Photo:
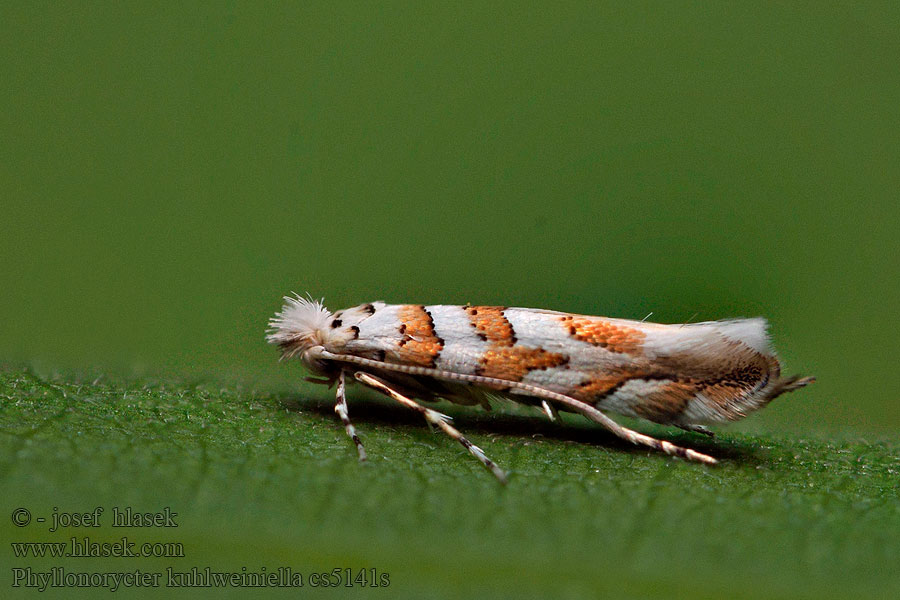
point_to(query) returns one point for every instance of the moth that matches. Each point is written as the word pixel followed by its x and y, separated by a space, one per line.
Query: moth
pixel 686 375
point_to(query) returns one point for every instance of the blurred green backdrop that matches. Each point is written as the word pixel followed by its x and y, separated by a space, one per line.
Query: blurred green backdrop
pixel 167 173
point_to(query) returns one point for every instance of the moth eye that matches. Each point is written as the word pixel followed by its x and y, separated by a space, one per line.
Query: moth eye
pixel 336 323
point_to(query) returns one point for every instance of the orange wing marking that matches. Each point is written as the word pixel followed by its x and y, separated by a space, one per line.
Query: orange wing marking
pixel 419 344
pixel 599 332
pixel 505 359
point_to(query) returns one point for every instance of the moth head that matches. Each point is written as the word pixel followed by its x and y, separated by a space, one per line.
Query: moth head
pixel 304 327
pixel 301 325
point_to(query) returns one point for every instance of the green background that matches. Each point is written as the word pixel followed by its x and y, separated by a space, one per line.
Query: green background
pixel 167 173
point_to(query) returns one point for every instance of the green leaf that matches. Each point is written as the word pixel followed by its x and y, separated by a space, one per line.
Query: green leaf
pixel 269 480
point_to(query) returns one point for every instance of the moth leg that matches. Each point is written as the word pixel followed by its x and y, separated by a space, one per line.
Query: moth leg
pixel 340 407
pixel 528 389
pixel 632 436
pixel 549 410
pixel 433 418
pixel 698 429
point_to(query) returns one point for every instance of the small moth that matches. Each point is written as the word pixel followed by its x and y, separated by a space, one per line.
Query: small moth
pixel 685 375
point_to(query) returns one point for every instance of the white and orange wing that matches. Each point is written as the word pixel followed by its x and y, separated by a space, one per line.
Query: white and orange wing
pixel 674 374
